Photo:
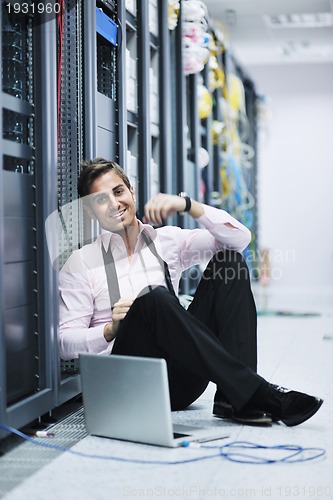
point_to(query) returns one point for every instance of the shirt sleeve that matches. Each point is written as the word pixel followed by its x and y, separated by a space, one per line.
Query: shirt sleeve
pixel 219 231
pixel 236 237
pixel 76 308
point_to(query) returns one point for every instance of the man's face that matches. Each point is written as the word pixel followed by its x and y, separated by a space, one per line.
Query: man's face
pixel 112 203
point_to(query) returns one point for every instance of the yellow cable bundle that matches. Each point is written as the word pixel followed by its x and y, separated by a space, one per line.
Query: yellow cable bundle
pixel 173 13
pixel 217 132
pixel 235 93
pixel 205 102
pixel 216 73
pixel 225 183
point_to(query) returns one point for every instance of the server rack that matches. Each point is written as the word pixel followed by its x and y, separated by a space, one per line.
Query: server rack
pixel 179 112
pixel 144 138
pixel 186 140
pixel 207 143
pixel 217 115
pixel 191 176
pixel 165 117
pixel 105 39
pixel 28 282
pixel 70 141
pixel 122 121
pixel 248 134
pixel 251 99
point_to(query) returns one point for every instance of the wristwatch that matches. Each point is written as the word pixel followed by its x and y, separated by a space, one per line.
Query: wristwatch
pixel 188 202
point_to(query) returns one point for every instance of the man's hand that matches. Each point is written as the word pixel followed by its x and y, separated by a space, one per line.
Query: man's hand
pixel 162 205
pixel 119 312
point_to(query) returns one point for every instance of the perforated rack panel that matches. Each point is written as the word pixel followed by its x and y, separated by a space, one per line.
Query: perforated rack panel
pixel 70 143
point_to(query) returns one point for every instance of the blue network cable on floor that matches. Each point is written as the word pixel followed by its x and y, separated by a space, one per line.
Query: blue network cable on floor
pixel 235 451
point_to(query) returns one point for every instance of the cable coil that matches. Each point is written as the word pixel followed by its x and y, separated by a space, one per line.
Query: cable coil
pixel 234 452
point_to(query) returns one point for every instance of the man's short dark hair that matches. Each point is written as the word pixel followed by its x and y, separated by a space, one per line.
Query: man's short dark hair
pixel 92 169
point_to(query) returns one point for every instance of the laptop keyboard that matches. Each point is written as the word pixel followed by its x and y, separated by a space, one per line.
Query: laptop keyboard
pixel 178 435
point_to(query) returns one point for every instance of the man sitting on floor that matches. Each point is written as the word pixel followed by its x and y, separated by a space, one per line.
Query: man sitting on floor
pixel 118 295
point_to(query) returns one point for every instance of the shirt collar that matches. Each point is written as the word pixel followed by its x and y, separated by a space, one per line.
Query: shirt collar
pixel 106 236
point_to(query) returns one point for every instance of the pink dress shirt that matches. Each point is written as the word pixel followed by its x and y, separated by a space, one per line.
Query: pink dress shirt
pixel 84 305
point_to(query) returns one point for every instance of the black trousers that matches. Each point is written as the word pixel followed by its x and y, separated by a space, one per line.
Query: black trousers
pixel 214 340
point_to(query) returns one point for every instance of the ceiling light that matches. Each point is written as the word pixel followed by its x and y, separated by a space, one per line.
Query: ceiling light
pixel 230 18
pixel 303 20
pixel 293 48
pixel 301 49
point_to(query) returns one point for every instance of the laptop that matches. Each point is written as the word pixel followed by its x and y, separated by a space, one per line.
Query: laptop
pixel 127 398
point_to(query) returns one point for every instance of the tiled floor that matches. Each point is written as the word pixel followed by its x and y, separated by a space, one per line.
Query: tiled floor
pixel 293 351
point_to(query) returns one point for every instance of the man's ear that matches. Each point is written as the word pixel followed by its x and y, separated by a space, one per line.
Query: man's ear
pixel 133 193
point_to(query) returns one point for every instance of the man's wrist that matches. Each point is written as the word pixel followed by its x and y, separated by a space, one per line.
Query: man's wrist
pixel 108 332
pixel 188 203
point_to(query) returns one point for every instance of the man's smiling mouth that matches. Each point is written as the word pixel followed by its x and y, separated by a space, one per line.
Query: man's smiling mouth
pixel 118 214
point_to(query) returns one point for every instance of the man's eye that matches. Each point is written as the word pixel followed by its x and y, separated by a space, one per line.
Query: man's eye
pixel 100 199
pixel 118 192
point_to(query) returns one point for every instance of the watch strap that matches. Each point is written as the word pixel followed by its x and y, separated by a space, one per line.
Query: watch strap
pixel 187 202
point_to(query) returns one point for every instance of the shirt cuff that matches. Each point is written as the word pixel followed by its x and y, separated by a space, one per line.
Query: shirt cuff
pixel 97 341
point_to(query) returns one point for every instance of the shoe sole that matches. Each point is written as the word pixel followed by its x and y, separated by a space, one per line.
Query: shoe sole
pixel 299 419
pixel 252 421
pixel 229 415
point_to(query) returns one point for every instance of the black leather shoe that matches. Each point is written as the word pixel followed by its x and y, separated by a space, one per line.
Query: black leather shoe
pixel 291 407
pixel 248 416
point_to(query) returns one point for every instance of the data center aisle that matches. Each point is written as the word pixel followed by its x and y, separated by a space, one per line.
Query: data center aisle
pixel 295 351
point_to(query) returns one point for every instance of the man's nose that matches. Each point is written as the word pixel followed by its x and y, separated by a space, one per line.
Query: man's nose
pixel 112 201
